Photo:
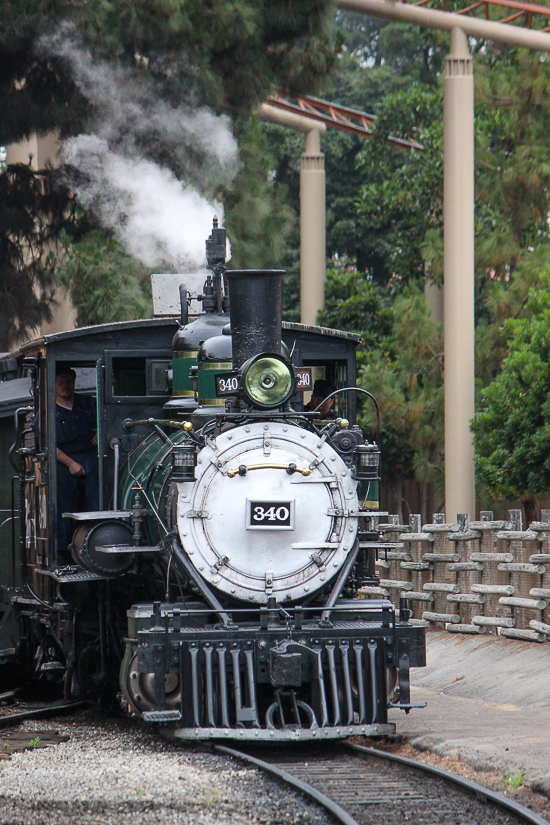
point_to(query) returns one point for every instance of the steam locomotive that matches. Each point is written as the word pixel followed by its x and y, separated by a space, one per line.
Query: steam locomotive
pixel 215 589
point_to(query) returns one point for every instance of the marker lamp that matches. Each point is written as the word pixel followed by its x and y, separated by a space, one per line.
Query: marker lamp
pixel 184 461
pixel 267 381
pixel 366 462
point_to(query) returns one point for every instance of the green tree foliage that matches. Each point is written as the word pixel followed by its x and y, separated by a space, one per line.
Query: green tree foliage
pixel 226 55
pixel 512 428
pixel 406 376
pixel 257 217
pixel 513 164
pixel 104 282
pixel 512 195
pixel 355 303
pixel 402 197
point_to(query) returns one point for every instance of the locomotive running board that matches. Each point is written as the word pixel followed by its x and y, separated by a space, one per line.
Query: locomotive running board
pixel 270 735
pixel 98 515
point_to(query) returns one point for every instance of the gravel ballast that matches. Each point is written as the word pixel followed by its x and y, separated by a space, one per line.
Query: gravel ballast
pixel 112 772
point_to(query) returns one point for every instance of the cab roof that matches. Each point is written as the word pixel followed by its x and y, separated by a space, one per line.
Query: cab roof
pixel 99 329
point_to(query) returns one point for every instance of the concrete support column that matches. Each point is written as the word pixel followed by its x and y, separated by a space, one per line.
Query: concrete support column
pixel 458 214
pixel 39 151
pixel 26 151
pixel 312 229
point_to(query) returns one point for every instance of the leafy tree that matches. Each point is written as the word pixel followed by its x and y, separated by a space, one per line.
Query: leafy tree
pixel 512 428
pixel 352 302
pixel 104 282
pixel 406 376
pixel 257 217
pixel 402 197
pixel 226 55
pixel 513 176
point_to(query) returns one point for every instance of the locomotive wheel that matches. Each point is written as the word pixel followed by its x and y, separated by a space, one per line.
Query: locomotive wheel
pixel 139 688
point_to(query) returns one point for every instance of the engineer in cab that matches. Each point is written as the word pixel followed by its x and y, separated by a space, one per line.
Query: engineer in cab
pixel 322 389
pixel 76 454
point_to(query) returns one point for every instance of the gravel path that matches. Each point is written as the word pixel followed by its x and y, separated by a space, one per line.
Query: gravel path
pixel 115 773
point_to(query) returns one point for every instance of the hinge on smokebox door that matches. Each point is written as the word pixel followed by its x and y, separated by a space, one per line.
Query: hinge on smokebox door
pixel 269 583
pixel 197 514
pixel 219 464
pixel 217 566
pixel 336 511
pixel 319 458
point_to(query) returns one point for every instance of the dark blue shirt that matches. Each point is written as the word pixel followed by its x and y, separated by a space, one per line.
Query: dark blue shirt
pixel 76 428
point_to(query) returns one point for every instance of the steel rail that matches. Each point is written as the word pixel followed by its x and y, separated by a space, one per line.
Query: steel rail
pixel 479 791
pixel 12 719
pixel 335 810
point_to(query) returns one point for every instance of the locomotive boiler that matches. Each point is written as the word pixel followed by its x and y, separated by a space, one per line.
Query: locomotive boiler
pixel 221 574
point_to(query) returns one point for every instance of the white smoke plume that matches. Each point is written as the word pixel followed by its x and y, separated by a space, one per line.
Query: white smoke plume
pixel 160 218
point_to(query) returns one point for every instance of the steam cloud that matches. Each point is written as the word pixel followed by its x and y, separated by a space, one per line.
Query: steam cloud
pixel 159 219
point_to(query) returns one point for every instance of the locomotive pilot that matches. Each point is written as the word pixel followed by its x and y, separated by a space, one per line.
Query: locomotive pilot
pixel 76 432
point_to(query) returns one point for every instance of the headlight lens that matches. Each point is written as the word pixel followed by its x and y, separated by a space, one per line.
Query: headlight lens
pixel 268 381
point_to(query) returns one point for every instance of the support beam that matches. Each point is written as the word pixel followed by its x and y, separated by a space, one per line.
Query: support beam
pixel 301 123
pixel 312 209
pixel 458 218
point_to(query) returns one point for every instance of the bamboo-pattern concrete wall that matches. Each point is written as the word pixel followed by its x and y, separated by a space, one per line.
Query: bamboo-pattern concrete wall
pixel 470 577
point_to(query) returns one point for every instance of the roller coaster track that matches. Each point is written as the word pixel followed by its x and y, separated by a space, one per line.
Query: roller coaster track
pixel 518 9
pixel 363 785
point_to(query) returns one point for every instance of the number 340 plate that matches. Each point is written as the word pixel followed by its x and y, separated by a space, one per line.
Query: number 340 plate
pixel 269 515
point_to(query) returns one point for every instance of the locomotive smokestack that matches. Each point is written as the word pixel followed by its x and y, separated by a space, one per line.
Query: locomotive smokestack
pixel 256 306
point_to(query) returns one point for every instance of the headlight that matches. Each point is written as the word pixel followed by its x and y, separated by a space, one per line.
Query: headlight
pixel 268 381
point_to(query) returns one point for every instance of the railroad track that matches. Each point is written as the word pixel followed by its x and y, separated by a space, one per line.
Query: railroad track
pixel 13 718
pixel 357 785
pixel 364 786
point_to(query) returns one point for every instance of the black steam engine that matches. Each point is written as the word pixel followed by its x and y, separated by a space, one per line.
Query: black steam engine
pixel 235 527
